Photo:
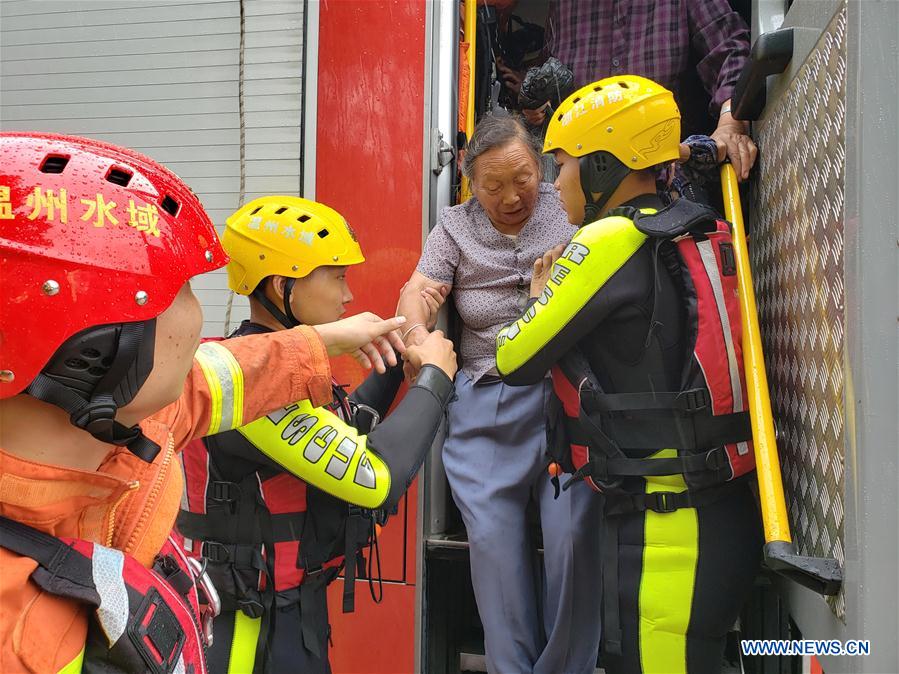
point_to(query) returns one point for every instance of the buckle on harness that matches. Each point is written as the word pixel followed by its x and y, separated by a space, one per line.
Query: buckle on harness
pixel 312 573
pixel 365 418
pixel 216 552
pixel 251 608
pixel 662 501
pixel 156 634
pixel 174 575
pixel 226 492
pixel 692 401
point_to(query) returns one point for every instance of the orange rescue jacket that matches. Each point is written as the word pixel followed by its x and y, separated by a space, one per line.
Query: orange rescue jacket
pixel 129 504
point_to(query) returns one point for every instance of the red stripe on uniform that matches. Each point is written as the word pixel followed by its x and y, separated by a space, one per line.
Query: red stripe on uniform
pixel 732 305
pixel 710 347
pixel 196 474
pixel 566 392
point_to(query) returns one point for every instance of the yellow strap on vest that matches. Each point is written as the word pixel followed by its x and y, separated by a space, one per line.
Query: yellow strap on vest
pixel 596 252
pixel 670 555
pixel 244 643
pixel 319 447
pixel 225 380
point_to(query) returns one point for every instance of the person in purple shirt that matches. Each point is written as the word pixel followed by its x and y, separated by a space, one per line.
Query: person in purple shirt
pixel 484 251
pixel 656 39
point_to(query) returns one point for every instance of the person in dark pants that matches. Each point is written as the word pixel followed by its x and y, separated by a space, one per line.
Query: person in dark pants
pixel 638 318
pixel 495 449
pixel 279 506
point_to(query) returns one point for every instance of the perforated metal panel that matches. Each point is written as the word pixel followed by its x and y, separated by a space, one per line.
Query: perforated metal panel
pixel 797 254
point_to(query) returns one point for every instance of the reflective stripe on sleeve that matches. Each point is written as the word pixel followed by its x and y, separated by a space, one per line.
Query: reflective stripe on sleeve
pixel 225 380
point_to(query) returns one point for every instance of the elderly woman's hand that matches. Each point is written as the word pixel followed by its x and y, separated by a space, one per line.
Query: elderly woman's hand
pixel 433 299
pixel 543 267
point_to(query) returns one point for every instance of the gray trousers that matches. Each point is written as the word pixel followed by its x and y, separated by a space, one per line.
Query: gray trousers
pixel 495 460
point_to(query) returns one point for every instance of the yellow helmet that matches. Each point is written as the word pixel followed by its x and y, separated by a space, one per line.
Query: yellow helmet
pixel 287 236
pixel 630 117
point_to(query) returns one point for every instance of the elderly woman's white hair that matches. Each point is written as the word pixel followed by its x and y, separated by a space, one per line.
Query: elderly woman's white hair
pixel 495 131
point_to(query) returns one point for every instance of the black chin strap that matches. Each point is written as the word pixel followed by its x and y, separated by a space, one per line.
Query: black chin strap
pixel 95 411
pixel 601 173
pixel 286 317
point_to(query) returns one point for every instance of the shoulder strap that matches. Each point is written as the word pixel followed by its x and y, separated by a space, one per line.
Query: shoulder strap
pixel 148 624
pixel 680 217
pixel 48 551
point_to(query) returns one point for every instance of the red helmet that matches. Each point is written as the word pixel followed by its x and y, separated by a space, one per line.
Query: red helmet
pixel 90 234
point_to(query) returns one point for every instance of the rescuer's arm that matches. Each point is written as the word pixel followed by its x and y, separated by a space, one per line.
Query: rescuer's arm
pixel 238 380
pixel 404 438
pixel 572 303
pixel 371 470
pixel 378 391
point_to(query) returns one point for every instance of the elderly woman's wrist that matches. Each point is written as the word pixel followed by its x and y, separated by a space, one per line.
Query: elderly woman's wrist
pixel 415 334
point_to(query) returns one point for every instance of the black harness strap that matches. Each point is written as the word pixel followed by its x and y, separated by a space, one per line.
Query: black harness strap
pixel 611 628
pixel 219 527
pixel 255 522
pixel 621 502
pixel 353 521
pixel 64 564
pixel 659 420
pixel 662 431
pixel 694 400
pixel 313 598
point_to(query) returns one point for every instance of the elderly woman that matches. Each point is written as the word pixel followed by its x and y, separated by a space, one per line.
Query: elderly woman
pixel 484 251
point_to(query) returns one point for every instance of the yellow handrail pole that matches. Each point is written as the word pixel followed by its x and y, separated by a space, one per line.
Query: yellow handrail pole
pixel 471 19
pixel 771 492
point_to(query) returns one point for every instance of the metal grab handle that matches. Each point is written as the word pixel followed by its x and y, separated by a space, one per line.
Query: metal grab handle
pixel 823 576
pixel 769 56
